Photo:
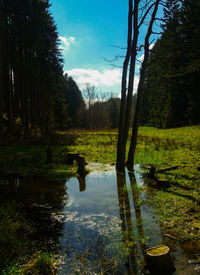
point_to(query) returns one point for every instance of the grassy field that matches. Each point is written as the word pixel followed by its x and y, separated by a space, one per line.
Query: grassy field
pixel 178 205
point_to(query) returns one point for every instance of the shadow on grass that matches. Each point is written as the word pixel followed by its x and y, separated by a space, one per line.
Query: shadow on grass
pixel 189 197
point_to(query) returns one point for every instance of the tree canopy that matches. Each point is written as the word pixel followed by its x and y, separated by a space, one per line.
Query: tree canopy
pixel 34 94
pixel 171 93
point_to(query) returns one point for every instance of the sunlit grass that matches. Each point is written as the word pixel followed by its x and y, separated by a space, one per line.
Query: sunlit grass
pixel 159 147
pixel 162 148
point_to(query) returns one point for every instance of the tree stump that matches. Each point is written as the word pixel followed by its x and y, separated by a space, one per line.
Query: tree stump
pixel 159 260
pixel 70 157
pixel 80 161
pixel 81 166
pixel 152 172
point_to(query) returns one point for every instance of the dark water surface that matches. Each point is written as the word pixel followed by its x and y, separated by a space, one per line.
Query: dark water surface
pixel 97 224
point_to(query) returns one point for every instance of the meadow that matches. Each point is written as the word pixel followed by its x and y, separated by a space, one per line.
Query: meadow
pixel 178 206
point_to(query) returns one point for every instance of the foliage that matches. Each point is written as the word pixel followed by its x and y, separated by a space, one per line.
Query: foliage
pixel 171 96
pixel 102 110
pixel 34 94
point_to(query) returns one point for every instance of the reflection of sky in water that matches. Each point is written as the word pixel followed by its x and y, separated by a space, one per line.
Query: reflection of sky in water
pixel 97 206
pixel 95 214
pixel 81 221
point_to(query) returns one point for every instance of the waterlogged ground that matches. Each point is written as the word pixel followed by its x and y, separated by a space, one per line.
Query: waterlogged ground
pixel 97 225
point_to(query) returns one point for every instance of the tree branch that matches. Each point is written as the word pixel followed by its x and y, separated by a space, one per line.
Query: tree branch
pixel 145 15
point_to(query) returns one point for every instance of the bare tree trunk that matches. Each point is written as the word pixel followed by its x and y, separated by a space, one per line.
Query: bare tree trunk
pixel 132 148
pixel 120 144
pixel 131 73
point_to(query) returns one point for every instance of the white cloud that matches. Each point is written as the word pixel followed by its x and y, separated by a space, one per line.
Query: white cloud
pixel 66 42
pixel 142 56
pixel 136 82
pixel 108 80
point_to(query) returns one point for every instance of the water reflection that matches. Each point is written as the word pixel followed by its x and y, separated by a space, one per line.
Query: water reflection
pixel 126 223
pixel 41 204
pixel 91 219
pixel 136 203
pixel 82 184
pixel 127 220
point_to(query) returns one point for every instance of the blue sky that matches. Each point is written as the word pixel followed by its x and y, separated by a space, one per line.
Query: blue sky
pixel 88 30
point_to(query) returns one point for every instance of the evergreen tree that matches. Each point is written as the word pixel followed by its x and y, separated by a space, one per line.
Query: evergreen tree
pixel 33 90
pixel 172 95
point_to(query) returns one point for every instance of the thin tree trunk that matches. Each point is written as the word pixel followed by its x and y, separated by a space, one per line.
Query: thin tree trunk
pixel 131 74
pixel 120 144
pixel 133 143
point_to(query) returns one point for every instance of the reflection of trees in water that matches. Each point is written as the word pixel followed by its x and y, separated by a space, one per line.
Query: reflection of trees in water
pixel 82 184
pixel 126 220
pixel 139 221
pixel 41 203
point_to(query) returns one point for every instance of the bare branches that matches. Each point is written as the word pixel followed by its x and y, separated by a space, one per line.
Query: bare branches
pixel 160 19
pixel 116 58
pixel 158 33
pixel 140 47
pixel 118 47
pixel 145 15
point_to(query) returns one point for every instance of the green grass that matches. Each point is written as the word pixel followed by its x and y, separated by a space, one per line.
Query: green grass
pixel 40 264
pixel 18 255
pixel 178 206
pixel 30 161
pixel 13 229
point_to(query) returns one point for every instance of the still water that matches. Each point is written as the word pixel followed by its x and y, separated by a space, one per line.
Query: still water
pixel 98 225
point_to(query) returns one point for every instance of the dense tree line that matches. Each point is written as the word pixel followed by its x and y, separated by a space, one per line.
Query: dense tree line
pixel 171 93
pixel 102 109
pixel 34 94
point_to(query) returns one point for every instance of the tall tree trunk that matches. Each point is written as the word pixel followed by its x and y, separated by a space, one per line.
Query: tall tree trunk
pixel 131 74
pixel 133 143
pixel 5 59
pixel 120 144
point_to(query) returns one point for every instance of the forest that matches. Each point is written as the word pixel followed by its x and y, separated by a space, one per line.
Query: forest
pixel 98 182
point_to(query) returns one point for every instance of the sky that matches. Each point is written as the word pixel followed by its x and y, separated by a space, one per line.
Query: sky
pixel 92 34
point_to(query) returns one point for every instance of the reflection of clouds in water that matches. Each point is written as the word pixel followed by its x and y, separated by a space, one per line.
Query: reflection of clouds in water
pixel 102 223
pixel 71 217
pixel 99 169
pixel 70 201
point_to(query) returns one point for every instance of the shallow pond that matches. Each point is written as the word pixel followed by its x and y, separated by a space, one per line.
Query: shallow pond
pixel 97 225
